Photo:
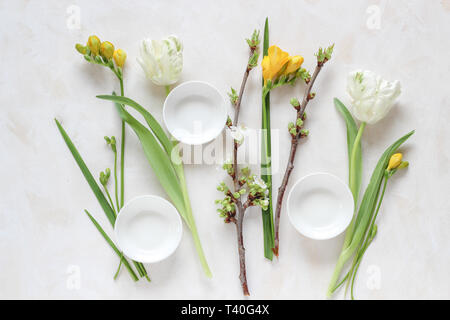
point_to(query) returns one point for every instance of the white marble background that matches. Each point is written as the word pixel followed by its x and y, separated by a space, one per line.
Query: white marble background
pixel 45 238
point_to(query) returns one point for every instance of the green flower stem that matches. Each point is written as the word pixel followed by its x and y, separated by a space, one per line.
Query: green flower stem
pixel 116 184
pixel 355 267
pixel 353 184
pixel 118 268
pixel 193 227
pixel 266 174
pixel 344 256
pixel 113 246
pixel 368 239
pixel 110 200
pixel 122 154
pixel 353 181
pixel 189 217
pixel 139 266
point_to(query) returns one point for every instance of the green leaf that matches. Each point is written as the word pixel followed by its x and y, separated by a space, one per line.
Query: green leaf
pixel 113 246
pixel 352 131
pixel 109 212
pixel 151 121
pixel 267 215
pixel 266 38
pixel 159 161
pixel 365 212
pixel 169 173
pixel 370 197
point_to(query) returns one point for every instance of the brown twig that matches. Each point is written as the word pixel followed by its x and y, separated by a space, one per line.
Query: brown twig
pixel 240 208
pixel 294 143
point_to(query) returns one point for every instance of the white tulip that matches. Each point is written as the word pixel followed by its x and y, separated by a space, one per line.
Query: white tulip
pixel 162 61
pixel 372 96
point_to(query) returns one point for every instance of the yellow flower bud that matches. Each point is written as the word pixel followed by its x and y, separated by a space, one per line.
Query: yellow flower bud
pixel 294 63
pixel 395 161
pixel 119 57
pixel 80 48
pixel 403 165
pixel 107 50
pixel 94 45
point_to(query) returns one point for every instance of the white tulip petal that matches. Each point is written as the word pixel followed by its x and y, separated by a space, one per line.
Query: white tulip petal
pixel 162 60
pixel 372 96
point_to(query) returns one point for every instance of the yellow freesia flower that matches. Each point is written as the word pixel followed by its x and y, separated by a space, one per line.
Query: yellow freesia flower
pixel 94 45
pixel 107 50
pixel 274 62
pixel 119 57
pixel 293 64
pixel 395 161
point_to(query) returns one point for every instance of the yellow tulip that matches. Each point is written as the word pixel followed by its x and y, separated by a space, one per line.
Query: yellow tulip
pixel 119 57
pixel 293 65
pixel 107 50
pixel 94 45
pixel 274 62
pixel 395 161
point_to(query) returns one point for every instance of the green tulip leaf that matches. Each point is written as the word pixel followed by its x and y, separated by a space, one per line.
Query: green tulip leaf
pixel 352 131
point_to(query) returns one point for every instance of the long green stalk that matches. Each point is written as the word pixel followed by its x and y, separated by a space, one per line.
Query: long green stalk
pixel 191 224
pixel 122 154
pixel 354 163
pixel 368 240
pixel 139 266
pixel 266 160
pixel 113 246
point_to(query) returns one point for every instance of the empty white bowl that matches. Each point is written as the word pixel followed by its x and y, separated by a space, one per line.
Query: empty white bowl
pixel 320 206
pixel 195 112
pixel 148 229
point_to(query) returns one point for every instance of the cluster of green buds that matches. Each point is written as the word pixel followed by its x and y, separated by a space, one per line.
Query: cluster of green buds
pixel 395 163
pixel 323 55
pixel 253 43
pixel 103 53
pixel 228 167
pixel 249 184
pixel 290 79
pixel 228 207
pixel 104 177
pixel 233 96
pixel 111 142
pixel 297 128
pixel 303 74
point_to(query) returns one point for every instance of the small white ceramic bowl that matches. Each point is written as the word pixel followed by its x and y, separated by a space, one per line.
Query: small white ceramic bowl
pixel 148 229
pixel 195 112
pixel 320 206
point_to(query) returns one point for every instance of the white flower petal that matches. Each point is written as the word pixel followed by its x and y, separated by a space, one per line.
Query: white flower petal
pixel 372 96
pixel 162 60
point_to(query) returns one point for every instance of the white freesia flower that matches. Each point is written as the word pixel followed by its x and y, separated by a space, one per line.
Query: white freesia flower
pixel 258 181
pixel 265 202
pixel 372 96
pixel 238 133
pixel 162 61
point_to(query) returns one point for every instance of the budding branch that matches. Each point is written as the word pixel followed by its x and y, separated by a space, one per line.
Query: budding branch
pixel 294 143
pixel 240 208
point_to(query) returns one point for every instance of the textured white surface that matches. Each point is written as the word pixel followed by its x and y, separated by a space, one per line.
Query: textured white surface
pixel 45 238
